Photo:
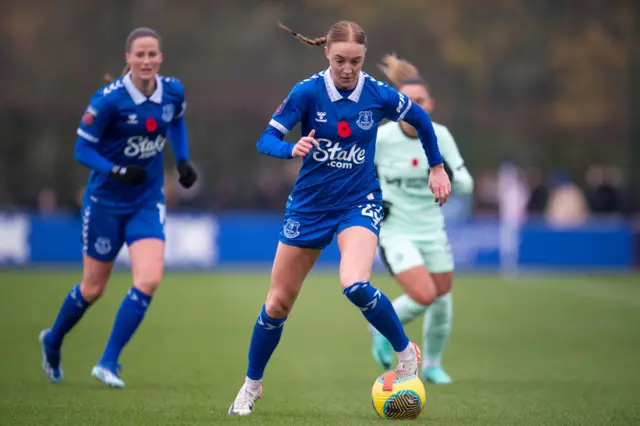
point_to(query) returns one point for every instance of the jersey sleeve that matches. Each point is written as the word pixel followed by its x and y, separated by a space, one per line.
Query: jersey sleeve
pixel 291 111
pixel 395 104
pixel 180 102
pixel 449 149
pixel 461 179
pixel 96 118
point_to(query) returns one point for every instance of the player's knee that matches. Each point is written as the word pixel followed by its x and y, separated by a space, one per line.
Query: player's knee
pixel 347 278
pixel 94 281
pixel 148 282
pixel 424 295
pixel 92 289
pixel 277 305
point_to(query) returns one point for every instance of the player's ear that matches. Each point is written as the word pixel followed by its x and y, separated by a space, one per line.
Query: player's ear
pixel 326 51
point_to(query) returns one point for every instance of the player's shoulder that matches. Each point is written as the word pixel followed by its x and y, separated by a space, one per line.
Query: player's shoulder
pixel 172 85
pixel 110 93
pixel 310 84
pixel 376 87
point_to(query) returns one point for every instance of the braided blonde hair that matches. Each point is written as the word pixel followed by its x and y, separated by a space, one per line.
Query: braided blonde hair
pixel 340 31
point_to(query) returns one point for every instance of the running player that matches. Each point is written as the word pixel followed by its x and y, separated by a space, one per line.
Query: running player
pixel 413 241
pixel 121 138
pixel 336 193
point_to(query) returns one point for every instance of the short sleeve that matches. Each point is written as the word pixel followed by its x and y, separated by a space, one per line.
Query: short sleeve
pixel 395 104
pixel 96 118
pixel 291 110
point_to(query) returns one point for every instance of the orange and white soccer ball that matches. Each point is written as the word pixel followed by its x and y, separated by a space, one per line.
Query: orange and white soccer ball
pixel 398 399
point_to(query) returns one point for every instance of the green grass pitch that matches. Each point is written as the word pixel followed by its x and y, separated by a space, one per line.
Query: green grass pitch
pixel 539 350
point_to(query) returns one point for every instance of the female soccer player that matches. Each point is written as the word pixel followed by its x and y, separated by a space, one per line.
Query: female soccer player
pixel 336 192
pixel 413 240
pixel 120 138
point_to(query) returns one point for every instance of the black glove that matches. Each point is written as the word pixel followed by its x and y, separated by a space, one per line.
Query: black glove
pixel 133 175
pixel 188 175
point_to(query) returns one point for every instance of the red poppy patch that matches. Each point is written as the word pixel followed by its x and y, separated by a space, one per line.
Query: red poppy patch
pixel 87 119
pixel 415 162
pixel 151 124
pixel 89 116
pixel 344 131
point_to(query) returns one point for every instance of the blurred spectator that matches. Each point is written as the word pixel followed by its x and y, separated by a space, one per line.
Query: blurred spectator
pixel 538 192
pixel 605 190
pixel 273 188
pixel 486 192
pixel 47 203
pixel 567 205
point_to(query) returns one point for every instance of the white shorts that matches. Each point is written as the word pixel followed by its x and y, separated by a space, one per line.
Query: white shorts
pixel 400 253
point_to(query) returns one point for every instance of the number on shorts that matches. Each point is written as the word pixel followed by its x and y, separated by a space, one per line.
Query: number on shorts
pixel 374 212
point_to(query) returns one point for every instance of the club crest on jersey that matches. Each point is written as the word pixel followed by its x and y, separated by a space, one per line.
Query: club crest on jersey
pixel 167 112
pixel 102 245
pixel 365 120
pixel 291 228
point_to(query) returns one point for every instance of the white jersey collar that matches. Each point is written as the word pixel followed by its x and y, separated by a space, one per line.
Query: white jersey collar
pixel 137 96
pixel 333 93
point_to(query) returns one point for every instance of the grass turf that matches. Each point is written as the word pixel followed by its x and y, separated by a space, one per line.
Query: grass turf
pixel 540 350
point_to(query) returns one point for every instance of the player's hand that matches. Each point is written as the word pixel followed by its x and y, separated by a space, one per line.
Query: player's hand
pixel 187 174
pixel 305 145
pixel 439 184
pixel 132 174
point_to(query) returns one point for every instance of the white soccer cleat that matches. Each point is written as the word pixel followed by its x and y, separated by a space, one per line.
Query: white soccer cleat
pixel 105 375
pixel 406 369
pixel 247 397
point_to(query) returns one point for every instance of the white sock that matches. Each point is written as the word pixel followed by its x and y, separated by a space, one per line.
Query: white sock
pixel 407 354
pixel 252 384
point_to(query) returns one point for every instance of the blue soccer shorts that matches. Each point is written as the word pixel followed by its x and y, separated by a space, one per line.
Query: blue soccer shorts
pixel 316 230
pixel 105 230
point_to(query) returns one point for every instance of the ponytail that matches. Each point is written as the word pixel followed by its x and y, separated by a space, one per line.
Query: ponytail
pixel 320 41
pixel 109 79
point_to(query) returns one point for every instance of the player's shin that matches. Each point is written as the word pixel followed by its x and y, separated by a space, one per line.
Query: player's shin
pixel 72 309
pixel 437 329
pixel 129 316
pixel 407 309
pixel 264 340
pixel 378 310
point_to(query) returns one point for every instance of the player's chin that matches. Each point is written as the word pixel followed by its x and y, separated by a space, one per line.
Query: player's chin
pixel 347 83
pixel 147 74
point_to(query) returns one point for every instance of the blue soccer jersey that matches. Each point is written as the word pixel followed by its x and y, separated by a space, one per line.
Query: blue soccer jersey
pixel 340 173
pixel 127 128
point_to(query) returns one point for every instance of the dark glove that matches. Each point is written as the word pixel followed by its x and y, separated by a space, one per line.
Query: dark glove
pixel 133 175
pixel 188 175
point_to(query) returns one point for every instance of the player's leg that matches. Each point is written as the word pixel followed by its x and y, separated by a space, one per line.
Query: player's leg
pixel 436 327
pixel 436 330
pixel 290 268
pixel 144 234
pixel 404 261
pixel 101 240
pixel 357 241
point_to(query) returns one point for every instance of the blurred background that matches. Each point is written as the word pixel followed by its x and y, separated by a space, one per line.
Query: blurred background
pixel 551 85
